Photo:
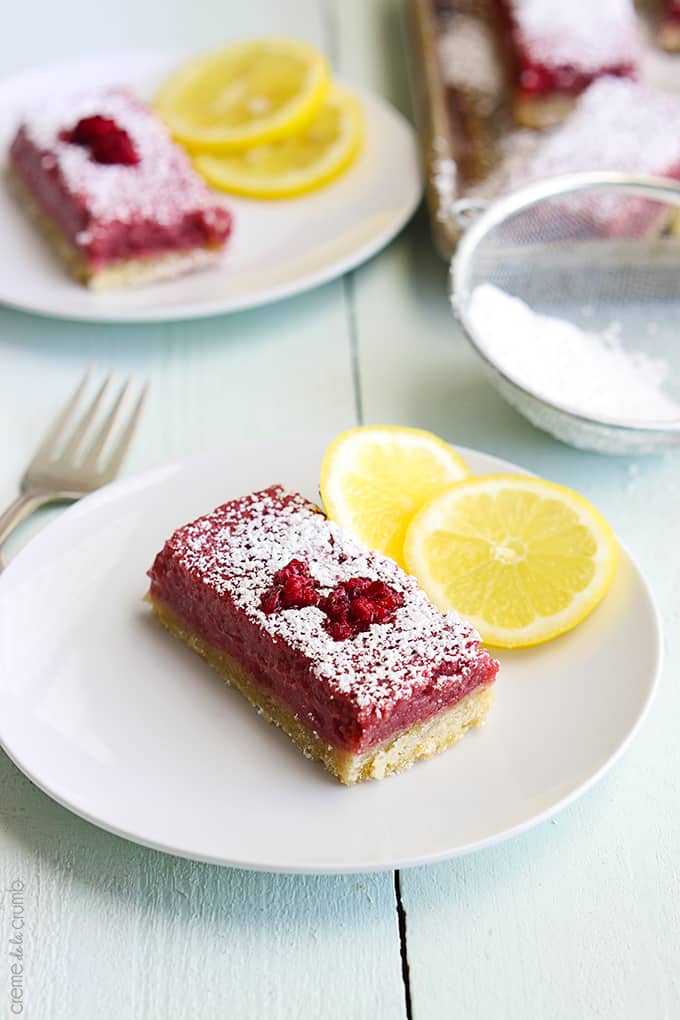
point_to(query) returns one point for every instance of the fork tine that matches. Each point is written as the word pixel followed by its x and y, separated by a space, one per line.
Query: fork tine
pixel 118 452
pixel 99 442
pixel 85 423
pixel 56 429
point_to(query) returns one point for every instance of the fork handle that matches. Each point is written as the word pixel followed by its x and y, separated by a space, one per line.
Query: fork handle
pixel 22 506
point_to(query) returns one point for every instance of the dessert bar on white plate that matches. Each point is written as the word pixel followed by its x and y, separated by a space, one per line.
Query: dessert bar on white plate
pixel 120 203
pixel 331 641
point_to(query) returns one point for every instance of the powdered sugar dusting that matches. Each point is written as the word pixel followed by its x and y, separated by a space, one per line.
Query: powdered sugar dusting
pixel 468 58
pixel 163 187
pixel 237 549
pixel 587 35
pixel 617 125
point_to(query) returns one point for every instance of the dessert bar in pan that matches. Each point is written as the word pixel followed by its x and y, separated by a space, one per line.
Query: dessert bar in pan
pixel 616 125
pixel 558 49
pixel 669 26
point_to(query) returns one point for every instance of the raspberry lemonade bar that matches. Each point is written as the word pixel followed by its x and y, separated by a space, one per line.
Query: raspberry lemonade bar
pixel 558 47
pixel 616 125
pixel 120 203
pixel 669 26
pixel 331 641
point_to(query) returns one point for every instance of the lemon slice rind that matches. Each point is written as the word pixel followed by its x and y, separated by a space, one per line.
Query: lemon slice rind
pixel 238 173
pixel 375 478
pixel 214 69
pixel 484 558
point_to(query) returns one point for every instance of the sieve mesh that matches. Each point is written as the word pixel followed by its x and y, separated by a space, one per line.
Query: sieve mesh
pixel 597 254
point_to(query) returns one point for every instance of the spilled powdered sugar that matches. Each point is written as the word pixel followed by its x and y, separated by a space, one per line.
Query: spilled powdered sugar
pixel 237 549
pixel 163 187
pixel 587 372
pixel 587 35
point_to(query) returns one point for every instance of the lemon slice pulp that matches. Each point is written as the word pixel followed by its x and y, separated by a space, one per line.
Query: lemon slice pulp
pixel 299 163
pixel 375 478
pixel 521 558
pixel 245 94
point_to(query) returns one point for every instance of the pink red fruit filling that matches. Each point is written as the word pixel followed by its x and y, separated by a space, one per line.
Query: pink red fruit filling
pixel 538 79
pixel 350 607
pixel 108 143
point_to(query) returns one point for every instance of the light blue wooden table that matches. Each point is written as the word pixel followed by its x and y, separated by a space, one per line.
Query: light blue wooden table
pixel 575 920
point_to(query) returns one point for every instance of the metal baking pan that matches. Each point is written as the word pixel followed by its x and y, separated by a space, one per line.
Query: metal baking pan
pixel 460 72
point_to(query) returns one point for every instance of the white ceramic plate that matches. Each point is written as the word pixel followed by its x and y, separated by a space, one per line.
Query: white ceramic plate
pixel 121 723
pixel 277 248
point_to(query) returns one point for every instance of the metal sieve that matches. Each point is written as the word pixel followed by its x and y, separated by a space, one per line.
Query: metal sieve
pixel 569 290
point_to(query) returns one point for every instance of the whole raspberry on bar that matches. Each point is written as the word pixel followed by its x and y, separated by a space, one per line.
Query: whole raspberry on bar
pixel 293 588
pixel 108 143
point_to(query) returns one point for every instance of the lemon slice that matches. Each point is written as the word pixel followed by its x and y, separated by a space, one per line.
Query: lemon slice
pixel 374 479
pixel 522 559
pixel 301 162
pixel 242 95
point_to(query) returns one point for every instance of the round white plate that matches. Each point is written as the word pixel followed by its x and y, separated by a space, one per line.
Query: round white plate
pixel 277 248
pixel 121 723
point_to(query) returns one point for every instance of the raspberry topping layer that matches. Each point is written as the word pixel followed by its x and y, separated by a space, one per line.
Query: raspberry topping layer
pixel 351 606
pixel 103 168
pixel 339 633
pixel 355 605
pixel 293 588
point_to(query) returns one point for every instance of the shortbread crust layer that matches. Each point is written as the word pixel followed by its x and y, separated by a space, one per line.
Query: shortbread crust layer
pixel 419 741
pixel 133 272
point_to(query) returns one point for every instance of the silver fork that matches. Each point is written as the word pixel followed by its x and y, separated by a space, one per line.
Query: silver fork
pixel 64 475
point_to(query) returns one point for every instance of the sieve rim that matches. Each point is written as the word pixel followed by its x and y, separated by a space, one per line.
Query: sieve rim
pixel 501 209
